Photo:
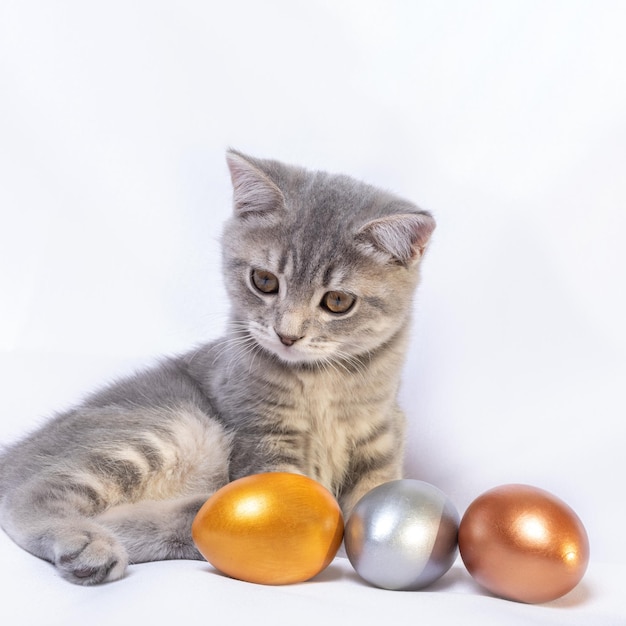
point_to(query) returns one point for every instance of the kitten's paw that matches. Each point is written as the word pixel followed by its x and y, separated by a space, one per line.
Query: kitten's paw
pixel 90 556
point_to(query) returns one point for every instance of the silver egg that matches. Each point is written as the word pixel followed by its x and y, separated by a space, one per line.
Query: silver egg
pixel 402 535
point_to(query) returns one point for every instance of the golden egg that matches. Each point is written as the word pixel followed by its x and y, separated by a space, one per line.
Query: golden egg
pixel 523 543
pixel 274 528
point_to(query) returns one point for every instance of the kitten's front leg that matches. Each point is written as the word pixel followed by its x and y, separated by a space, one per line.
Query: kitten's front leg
pixel 374 461
pixel 365 484
pixel 152 530
pixel 253 452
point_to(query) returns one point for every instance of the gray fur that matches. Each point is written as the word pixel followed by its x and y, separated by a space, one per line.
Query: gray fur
pixel 291 387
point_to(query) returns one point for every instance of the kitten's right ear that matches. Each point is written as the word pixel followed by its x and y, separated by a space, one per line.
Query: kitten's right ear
pixel 254 193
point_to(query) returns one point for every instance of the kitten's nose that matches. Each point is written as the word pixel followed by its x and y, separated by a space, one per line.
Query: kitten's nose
pixel 287 340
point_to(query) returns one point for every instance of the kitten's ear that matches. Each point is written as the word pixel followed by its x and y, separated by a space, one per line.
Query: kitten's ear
pixel 254 193
pixel 400 238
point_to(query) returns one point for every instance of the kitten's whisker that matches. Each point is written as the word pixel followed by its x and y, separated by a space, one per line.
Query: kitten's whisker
pixel 350 364
pixel 240 336
pixel 240 351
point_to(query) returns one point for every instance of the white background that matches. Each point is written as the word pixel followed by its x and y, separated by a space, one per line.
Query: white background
pixel 507 120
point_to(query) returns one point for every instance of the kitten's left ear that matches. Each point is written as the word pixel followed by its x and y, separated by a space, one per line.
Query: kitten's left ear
pixel 401 238
pixel 254 193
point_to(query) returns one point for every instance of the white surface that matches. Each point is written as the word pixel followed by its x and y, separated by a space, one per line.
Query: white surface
pixel 505 119
pixel 192 592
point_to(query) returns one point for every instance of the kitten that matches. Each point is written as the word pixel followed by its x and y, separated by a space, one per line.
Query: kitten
pixel 320 270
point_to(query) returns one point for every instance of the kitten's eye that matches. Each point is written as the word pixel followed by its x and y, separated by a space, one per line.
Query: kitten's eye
pixel 264 281
pixel 338 302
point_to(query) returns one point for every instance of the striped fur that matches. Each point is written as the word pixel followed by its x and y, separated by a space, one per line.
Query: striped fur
pixel 321 271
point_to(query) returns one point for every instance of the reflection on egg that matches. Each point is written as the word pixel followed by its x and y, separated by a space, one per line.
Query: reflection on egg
pixel 523 543
pixel 274 528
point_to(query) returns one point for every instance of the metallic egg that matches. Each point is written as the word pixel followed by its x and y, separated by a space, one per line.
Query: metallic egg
pixel 402 535
pixel 523 543
pixel 274 528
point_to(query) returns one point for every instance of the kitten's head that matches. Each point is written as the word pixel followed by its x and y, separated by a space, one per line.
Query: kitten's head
pixel 319 267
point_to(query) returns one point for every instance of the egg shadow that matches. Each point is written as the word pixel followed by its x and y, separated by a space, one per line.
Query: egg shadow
pixel 331 574
pixel 453 577
pixel 578 596
pixel 207 568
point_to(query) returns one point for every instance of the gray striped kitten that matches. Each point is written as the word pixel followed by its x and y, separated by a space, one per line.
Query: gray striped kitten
pixel 320 270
